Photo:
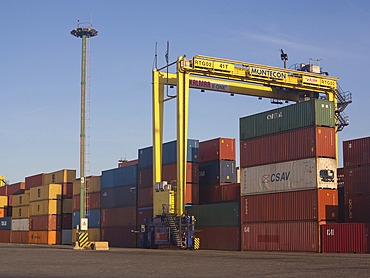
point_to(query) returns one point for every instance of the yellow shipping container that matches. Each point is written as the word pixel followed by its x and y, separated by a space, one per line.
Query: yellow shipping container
pixel 45 237
pixel 4 201
pixel 2 179
pixel 93 185
pixel 67 206
pixel 62 176
pixel 21 199
pixel 46 207
pixel 20 212
pixel 46 192
pixel 93 234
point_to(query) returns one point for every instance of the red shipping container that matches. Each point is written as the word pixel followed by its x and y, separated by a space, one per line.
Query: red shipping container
pixel 116 217
pixel 4 190
pixel 20 237
pixel 45 223
pixel 210 193
pixel 93 201
pixel 345 238
pixel 128 163
pixel 292 145
pixel 356 152
pixel 316 204
pixel 67 190
pixel 219 238
pixel 10 200
pixel 340 177
pixel 145 197
pixel 142 214
pixel 33 181
pixel 231 192
pixel 281 236
pixel 6 236
pixel 119 236
pixel 357 180
pixel 67 220
pixel 341 206
pixel 357 208
pixel 217 149
pixel 145 178
pixel 15 187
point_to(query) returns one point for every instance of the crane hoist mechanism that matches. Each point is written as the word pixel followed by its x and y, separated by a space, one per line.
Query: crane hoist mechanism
pixel 169 225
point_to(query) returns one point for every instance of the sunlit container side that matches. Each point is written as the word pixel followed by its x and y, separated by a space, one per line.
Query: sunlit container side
pixel 93 201
pixel 92 183
pixel 216 215
pixel 356 152
pixel 93 218
pixel 357 180
pixel 345 238
pixel 211 193
pixel 45 237
pixel 217 149
pixel 315 112
pixel 118 177
pixel 21 199
pixel 230 192
pixel 287 146
pixel 316 204
pixel 116 197
pixel 46 207
pixel 218 171
pixel 33 181
pixel 6 236
pixel 128 163
pixel 94 234
pixel 219 238
pixel 113 217
pixel 357 208
pixel 294 175
pixel 61 176
pixel 169 154
pixel 46 192
pixel 119 236
pixel 21 212
pixel 3 212
pixel 3 201
pixel 45 223
pixel 302 236
pixel 20 224
pixel 67 221
pixel 15 187
pixel 20 237
pixel 5 223
pixel 67 237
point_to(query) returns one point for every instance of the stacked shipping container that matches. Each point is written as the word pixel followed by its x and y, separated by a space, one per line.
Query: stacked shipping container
pixel 20 216
pixel 288 177
pixel 6 229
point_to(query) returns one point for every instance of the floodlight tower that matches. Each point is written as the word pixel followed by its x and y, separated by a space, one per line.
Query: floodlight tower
pixel 84 31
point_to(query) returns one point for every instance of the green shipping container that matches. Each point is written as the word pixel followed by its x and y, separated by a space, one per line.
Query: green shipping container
pixel 315 112
pixel 216 215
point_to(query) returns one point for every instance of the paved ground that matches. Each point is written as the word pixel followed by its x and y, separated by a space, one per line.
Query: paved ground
pixel 61 261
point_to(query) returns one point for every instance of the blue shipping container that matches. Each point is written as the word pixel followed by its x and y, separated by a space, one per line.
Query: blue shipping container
pixel 169 154
pixel 5 223
pixel 217 171
pixel 124 176
pixel 93 218
pixel 118 197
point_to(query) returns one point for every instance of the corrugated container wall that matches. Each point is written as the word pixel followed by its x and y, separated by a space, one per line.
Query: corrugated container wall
pixel 46 192
pixel 357 180
pixel 33 181
pixel 93 185
pixel 309 113
pixel 62 176
pixel 217 149
pixel 125 216
pixel 118 177
pixel 357 208
pixel 93 218
pixel 5 223
pixel 219 238
pixel 15 187
pixel 115 197
pixel 128 163
pixel 356 152
pixel 218 171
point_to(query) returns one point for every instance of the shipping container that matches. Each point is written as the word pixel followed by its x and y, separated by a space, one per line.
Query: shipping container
pixel 145 197
pixel 3 212
pixel 143 213
pixel 20 212
pixel 92 184
pixel 295 175
pixel 93 217
pixel 217 149
pixel 21 199
pixel 6 236
pixel 292 145
pixel 211 193
pixel 15 187
pixel 118 177
pixel 341 205
pixel 67 237
pixel 5 223
pixel 20 224
pixel 356 152
pixel 113 217
pixel 20 237
pixel 357 208
pixel 45 223
pixel 4 190
pixel 316 204
pixel 340 177
pixel 218 171
pixel 119 236
pixel 3 201
pixel 46 192
pixel 9 211
pixel 128 163
pixel 60 177
pixel 169 154
pixel 10 200
pixel 116 197
pixel 357 180
pixel 315 112
pixel 219 238
pixel 216 215
pixel 67 205
pixel 93 234
pixel 35 180
pixel 345 238
pixel 45 237
pixel 92 201
pixel 230 192
pixel 67 190
pixel 45 207
pixel 67 221
pixel 302 236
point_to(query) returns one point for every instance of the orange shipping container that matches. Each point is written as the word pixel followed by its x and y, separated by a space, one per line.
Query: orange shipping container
pixel 3 212
pixel 45 223
pixel 20 237
pixel 45 237
pixel 6 236
pixel 217 149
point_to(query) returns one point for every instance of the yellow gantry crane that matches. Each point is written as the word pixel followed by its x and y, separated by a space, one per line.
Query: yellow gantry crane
pixel 233 77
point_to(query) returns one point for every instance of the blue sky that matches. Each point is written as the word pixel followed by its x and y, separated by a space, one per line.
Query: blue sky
pixel 40 71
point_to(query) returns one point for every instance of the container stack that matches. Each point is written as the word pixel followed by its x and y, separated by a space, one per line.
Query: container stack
pixel 288 176
pixel 92 207
pixel 341 205
pixel 3 206
pixel 6 229
pixel 15 188
pixel 118 206
pixel 217 171
pixel 20 216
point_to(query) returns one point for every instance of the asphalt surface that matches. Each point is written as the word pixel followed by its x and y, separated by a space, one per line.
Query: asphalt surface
pixel 19 260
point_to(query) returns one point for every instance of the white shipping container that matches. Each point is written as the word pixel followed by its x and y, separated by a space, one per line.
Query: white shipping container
pixel 294 175
pixel 67 237
pixel 20 225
